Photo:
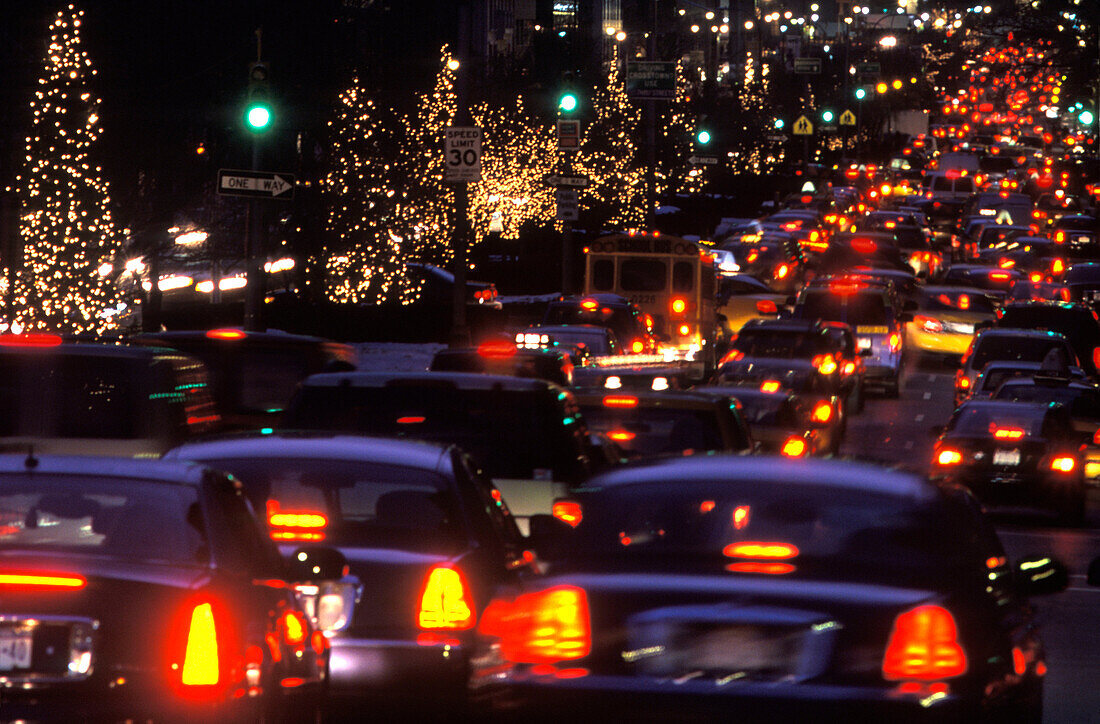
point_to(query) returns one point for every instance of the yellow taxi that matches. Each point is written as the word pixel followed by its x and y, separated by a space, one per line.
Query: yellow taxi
pixel 947 317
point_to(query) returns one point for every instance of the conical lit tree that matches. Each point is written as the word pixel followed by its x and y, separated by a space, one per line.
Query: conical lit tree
pixel 608 156
pixel 517 151
pixel 69 239
pixel 677 127
pixel 363 257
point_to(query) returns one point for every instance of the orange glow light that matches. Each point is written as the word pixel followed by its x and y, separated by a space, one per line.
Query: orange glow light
pixel 741 516
pixel 46 580
pixel 770 386
pixel 620 401
pixel 794 447
pixel 757 549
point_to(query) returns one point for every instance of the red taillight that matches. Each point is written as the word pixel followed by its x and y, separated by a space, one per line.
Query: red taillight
pixel 794 447
pixel 862 245
pixel 541 628
pixel 928 324
pixel 43 580
pixel 226 334
pixel 767 306
pixel 620 401
pixel 770 386
pixel 895 342
pixel 734 355
pixel 497 348
pixel 200 657
pixel 567 511
pixel 300 525
pixel 962 382
pixel 1006 433
pixel 822 413
pixel 621 435
pixel 205 661
pixel 1063 464
pixel 756 549
pixel 999 276
pixel 30 340
pixel 824 363
pixel 679 305
pixel 445 601
pixel 781 271
pixel 589 304
pixel 924 646
pixel 1096 437
pixel 948 456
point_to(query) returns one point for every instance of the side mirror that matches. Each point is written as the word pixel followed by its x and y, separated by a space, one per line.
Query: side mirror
pixel 548 534
pixel 1094 572
pixel 1041 575
pixel 316 563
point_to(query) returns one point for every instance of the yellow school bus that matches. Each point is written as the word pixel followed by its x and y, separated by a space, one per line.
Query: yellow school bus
pixel 670 279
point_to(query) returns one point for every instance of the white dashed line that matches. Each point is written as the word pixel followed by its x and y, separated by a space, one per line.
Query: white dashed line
pixel 918 418
pixel 928 395
pixel 908 444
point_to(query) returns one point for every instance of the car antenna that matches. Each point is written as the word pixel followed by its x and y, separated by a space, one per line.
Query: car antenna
pixel 31 462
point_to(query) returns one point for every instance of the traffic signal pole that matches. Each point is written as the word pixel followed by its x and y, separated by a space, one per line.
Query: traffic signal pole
pixel 254 246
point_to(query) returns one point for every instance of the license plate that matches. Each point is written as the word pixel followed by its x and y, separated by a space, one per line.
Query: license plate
pixel 15 649
pixel 872 330
pixel 742 649
pixel 1006 457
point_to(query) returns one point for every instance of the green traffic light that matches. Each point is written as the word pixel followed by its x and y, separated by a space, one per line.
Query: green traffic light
pixel 1085 118
pixel 860 94
pixel 703 137
pixel 827 116
pixel 779 124
pixel 258 117
pixel 568 102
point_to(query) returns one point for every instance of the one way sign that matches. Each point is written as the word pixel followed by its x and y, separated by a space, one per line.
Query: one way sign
pixel 256 184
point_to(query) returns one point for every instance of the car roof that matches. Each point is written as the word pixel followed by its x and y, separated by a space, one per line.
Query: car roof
pixel 783 325
pixel 101 349
pixel 1007 407
pixel 681 472
pixel 247 336
pixel 316 444
pixel 145 470
pixel 595 330
pixel 461 380
pixel 680 399
pixel 1017 332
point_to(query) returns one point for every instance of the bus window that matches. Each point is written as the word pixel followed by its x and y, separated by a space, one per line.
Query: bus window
pixel 683 276
pixel 643 275
pixel 603 275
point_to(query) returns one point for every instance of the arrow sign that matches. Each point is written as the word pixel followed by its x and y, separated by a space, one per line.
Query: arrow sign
pixel 847 118
pixel 802 127
pixel 703 160
pixel 579 182
pixel 256 184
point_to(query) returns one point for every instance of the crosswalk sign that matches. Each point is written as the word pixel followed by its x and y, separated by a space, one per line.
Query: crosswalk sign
pixel 802 127
pixel 847 118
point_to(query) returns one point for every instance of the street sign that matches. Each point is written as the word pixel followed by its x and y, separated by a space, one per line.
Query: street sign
pixel 868 68
pixel 802 127
pixel 256 184
pixel 827 128
pixel 702 160
pixel 569 135
pixel 648 80
pixel 462 153
pixel 567 207
pixel 808 66
pixel 779 137
pixel 578 182
pixel 847 118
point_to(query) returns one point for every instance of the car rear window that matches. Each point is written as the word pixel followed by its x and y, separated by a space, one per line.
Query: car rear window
pixel 642 432
pixel 983 420
pixel 128 519
pixel 953 301
pixel 854 309
pixel 1081 403
pixel 363 504
pixel 1020 349
pixel 787 344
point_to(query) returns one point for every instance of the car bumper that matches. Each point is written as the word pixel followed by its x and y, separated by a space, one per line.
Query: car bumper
pixel 364 667
pixel 646 699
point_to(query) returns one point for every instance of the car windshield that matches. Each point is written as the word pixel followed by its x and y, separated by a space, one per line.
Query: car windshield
pixel 854 309
pixel 135 520
pixel 364 504
pixel 784 527
pixel 986 420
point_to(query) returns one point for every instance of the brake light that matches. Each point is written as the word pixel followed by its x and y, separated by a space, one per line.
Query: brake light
pixel 948 456
pixel 301 525
pixel 962 382
pixel 637 346
pixel 541 628
pixel 863 245
pixel 200 657
pixel 567 511
pixel 679 305
pixel 292 626
pixel 822 413
pixel 225 334
pixel 756 549
pixel 793 447
pixel 1096 437
pixel 734 355
pixel 205 661
pixel 1057 266
pixel 767 306
pixel 928 324
pixel 43 580
pixel 999 276
pixel 621 435
pixel 781 271
pixel 1035 277
pixel 924 645
pixel 445 601
pixel 824 363
pixel 497 348
pixel 845 288
pixel 684 330
pixel 620 401
pixel 849 368
pixel 589 304
pixel 895 342
pixel 1063 464
pixel 770 386
pixel 30 340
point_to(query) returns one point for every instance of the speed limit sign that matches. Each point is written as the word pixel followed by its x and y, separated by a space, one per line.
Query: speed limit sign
pixel 462 154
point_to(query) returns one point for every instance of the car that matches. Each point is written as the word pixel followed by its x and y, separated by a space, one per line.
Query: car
pixel 769 589
pixel 1014 453
pixel 947 318
pixel 874 312
pixel 631 327
pixel 502 356
pixel 527 434
pixel 1078 323
pixel 587 339
pixel 436 286
pixel 783 422
pixel 1080 233
pixel 999 236
pixel 773 257
pixel 646 423
pixel 993 280
pixel 253 374
pixel 653 373
pixel 1083 280
pixel 428 540
pixel 1026 290
pixel 143 589
pixel 97 398
pixel 999 371
pixel 1019 345
pixel 742 297
pixel 912 239
pixel 871 249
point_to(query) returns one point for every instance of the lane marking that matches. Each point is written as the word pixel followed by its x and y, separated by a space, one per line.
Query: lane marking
pixel 919 418
pixel 908 444
pixel 928 395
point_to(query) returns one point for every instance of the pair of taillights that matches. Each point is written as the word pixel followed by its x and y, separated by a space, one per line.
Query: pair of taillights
pixel 947 457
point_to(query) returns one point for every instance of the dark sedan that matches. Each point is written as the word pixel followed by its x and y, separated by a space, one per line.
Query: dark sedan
pixel 1014 453
pixel 427 538
pixel 762 589
pixel 146 590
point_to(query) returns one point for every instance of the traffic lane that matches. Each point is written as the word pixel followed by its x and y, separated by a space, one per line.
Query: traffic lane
pixel 1070 621
pixel 898 431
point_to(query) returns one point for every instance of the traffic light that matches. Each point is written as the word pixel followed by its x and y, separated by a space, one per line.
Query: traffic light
pixel 567 102
pixel 861 93
pixel 569 96
pixel 827 116
pixel 1086 117
pixel 258 113
pixel 702 137
pixel 779 123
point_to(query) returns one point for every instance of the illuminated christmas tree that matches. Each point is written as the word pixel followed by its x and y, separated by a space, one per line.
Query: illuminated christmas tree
pixel 517 151
pixel 676 128
pixel 363 256
pixel 69 239
pixel 609 156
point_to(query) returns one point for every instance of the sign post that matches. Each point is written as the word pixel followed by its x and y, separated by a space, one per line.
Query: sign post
pixel 807 66
pixel 256 184
pixel 650 80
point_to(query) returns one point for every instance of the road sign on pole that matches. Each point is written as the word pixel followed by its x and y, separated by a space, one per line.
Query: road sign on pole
pixel 868 68
pixel 567 207
pixel 577 182
pixel 569 135
pixel 802 127
pixel 256 184
pixel 702 160
pixel 650 80
pixel 462 154
pixel 807 66
pixel 847 118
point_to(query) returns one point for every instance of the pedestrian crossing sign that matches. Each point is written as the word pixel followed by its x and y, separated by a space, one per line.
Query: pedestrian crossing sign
pixel 802 127
pixel 847 118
